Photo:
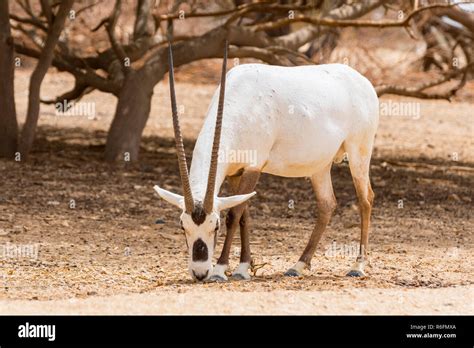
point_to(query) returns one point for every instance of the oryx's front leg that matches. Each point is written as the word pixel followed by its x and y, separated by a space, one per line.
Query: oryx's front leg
pixel 326 203
pixel 242 271
pixel 237 216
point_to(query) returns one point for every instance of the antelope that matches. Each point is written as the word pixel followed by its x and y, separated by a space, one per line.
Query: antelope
pixel 299 120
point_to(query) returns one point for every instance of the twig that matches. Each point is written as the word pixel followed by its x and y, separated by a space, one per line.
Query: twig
pixel 255 267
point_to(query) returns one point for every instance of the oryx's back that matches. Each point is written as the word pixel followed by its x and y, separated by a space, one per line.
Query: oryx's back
pixel 296 118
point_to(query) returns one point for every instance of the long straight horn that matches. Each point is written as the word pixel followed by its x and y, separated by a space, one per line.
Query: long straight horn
pixel 211 181
pixel 183 167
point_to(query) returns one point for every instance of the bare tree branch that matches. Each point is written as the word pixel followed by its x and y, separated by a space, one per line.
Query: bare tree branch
pixel 142 19
pixel 300 37
pixel 274 56
pixel 419 91
pixel 238 11
pixel 116 45
pixel 47 12
pixel 86 7
pixel 348 22
pixel 37 23
pixel 80 89
pixel 463 17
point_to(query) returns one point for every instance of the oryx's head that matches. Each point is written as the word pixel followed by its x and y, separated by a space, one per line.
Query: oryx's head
pixel 200 220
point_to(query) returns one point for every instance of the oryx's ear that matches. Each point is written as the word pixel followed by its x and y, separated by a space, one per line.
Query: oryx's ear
pixel 173 198
pixel 223 203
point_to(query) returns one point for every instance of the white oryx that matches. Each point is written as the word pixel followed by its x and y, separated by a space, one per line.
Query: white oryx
pixel 298 120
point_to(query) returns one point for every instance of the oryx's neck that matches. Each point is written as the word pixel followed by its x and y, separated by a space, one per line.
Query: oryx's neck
pixel 200 168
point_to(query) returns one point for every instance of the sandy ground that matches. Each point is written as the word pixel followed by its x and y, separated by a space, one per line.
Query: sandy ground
pixel 348 301
pixel 119 249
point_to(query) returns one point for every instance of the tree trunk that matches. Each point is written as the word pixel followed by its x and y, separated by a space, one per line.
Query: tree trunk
pixel 131 114
pixel 8 122
pixel 44 61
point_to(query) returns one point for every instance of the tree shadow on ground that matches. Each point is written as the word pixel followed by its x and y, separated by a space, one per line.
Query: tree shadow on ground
pixel 427 181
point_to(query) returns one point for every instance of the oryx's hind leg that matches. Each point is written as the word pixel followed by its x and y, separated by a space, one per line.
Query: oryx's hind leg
pixel 359 164
pixel 326 203
pixel 237 216
pixel 242 271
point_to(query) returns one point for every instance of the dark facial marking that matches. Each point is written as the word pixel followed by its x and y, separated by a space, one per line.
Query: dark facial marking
pixel 199 250
pixel 198 215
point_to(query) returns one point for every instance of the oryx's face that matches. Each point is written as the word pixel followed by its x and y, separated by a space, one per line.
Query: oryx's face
pixel 200 220
pixel 201 232
pixel 201 229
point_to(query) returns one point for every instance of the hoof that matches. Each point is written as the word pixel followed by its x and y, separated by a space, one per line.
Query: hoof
pixel 217 279
pixel 238 276
pixel 292 273
pixel 355 273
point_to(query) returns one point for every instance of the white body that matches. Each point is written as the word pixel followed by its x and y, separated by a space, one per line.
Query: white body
pixel 294 119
